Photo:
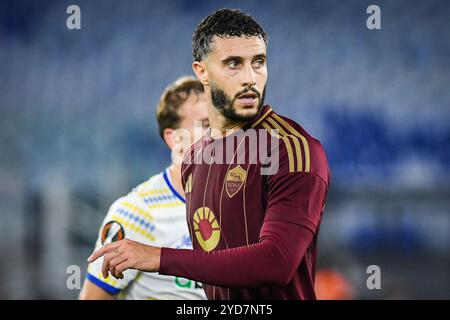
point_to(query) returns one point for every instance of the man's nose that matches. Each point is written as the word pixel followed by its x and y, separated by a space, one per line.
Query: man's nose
pixel 248 77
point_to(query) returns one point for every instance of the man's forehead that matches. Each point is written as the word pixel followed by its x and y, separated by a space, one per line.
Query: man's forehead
pixel 241 46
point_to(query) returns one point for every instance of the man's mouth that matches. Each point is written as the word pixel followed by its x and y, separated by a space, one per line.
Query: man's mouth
pixel 248 98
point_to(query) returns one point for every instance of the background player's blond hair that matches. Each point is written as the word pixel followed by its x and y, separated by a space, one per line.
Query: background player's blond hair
pixel 172 99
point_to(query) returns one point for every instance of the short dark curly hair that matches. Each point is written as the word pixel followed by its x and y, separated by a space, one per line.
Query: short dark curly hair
pixel 223 23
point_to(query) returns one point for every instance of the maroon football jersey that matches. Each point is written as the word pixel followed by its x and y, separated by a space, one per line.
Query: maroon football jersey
pixel 255 200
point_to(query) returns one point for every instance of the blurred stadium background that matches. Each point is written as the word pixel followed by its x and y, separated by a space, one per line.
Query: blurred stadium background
pixel 77 129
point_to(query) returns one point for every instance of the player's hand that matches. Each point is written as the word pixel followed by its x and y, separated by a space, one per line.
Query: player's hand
pixel 127 254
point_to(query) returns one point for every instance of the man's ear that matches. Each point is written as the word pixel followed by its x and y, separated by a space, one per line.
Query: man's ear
pixel 169 138
pixel 199 68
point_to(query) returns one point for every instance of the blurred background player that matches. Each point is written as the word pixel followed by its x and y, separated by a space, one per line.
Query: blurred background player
pixel 154 212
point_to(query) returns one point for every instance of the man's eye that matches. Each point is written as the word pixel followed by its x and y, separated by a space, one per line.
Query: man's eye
pixel 258 63
pixel 233 64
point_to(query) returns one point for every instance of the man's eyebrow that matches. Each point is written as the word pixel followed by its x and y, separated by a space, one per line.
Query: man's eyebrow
pixel 232 58
pixel 240 59
pixel 259 56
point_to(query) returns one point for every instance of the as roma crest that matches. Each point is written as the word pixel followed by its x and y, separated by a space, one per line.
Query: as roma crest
pixel 235 179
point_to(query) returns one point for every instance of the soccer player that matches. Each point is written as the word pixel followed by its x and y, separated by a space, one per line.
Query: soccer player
pixel 154 212
pixel 254 231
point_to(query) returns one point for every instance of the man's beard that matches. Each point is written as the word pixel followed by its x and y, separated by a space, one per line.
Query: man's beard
pixel 225 105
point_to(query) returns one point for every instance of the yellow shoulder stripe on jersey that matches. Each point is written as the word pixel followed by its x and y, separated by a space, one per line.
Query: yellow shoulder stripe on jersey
pixel 131 225
pixel 136 209
pixel 288 127
pixel 153 192
pixel 262 117
pixel 298 150
pixel 159 205
pixel 286 142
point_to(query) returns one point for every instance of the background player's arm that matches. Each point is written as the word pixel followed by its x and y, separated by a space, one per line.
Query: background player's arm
pixel 91 291
pixel 97 286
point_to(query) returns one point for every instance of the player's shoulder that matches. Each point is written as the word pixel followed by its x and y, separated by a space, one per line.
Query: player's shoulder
pixel 154 185
pixel 303 152
pixel 136 201
pixel 132 215
pixel 189 157
pixel 190 151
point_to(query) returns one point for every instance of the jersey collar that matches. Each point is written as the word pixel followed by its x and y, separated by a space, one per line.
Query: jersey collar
pixel 166 176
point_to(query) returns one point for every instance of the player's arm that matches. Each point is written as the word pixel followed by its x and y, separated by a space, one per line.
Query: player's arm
pixel 284 239
pixel 290 224
pixel 91 291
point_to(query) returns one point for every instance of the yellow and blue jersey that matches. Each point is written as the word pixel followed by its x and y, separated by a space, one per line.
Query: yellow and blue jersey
pixel 153 213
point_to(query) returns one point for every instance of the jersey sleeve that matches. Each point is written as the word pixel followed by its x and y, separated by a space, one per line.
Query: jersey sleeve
pixel 296 196
pixel 128 217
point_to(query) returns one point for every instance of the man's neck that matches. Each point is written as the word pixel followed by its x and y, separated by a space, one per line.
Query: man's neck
pixel 175 177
